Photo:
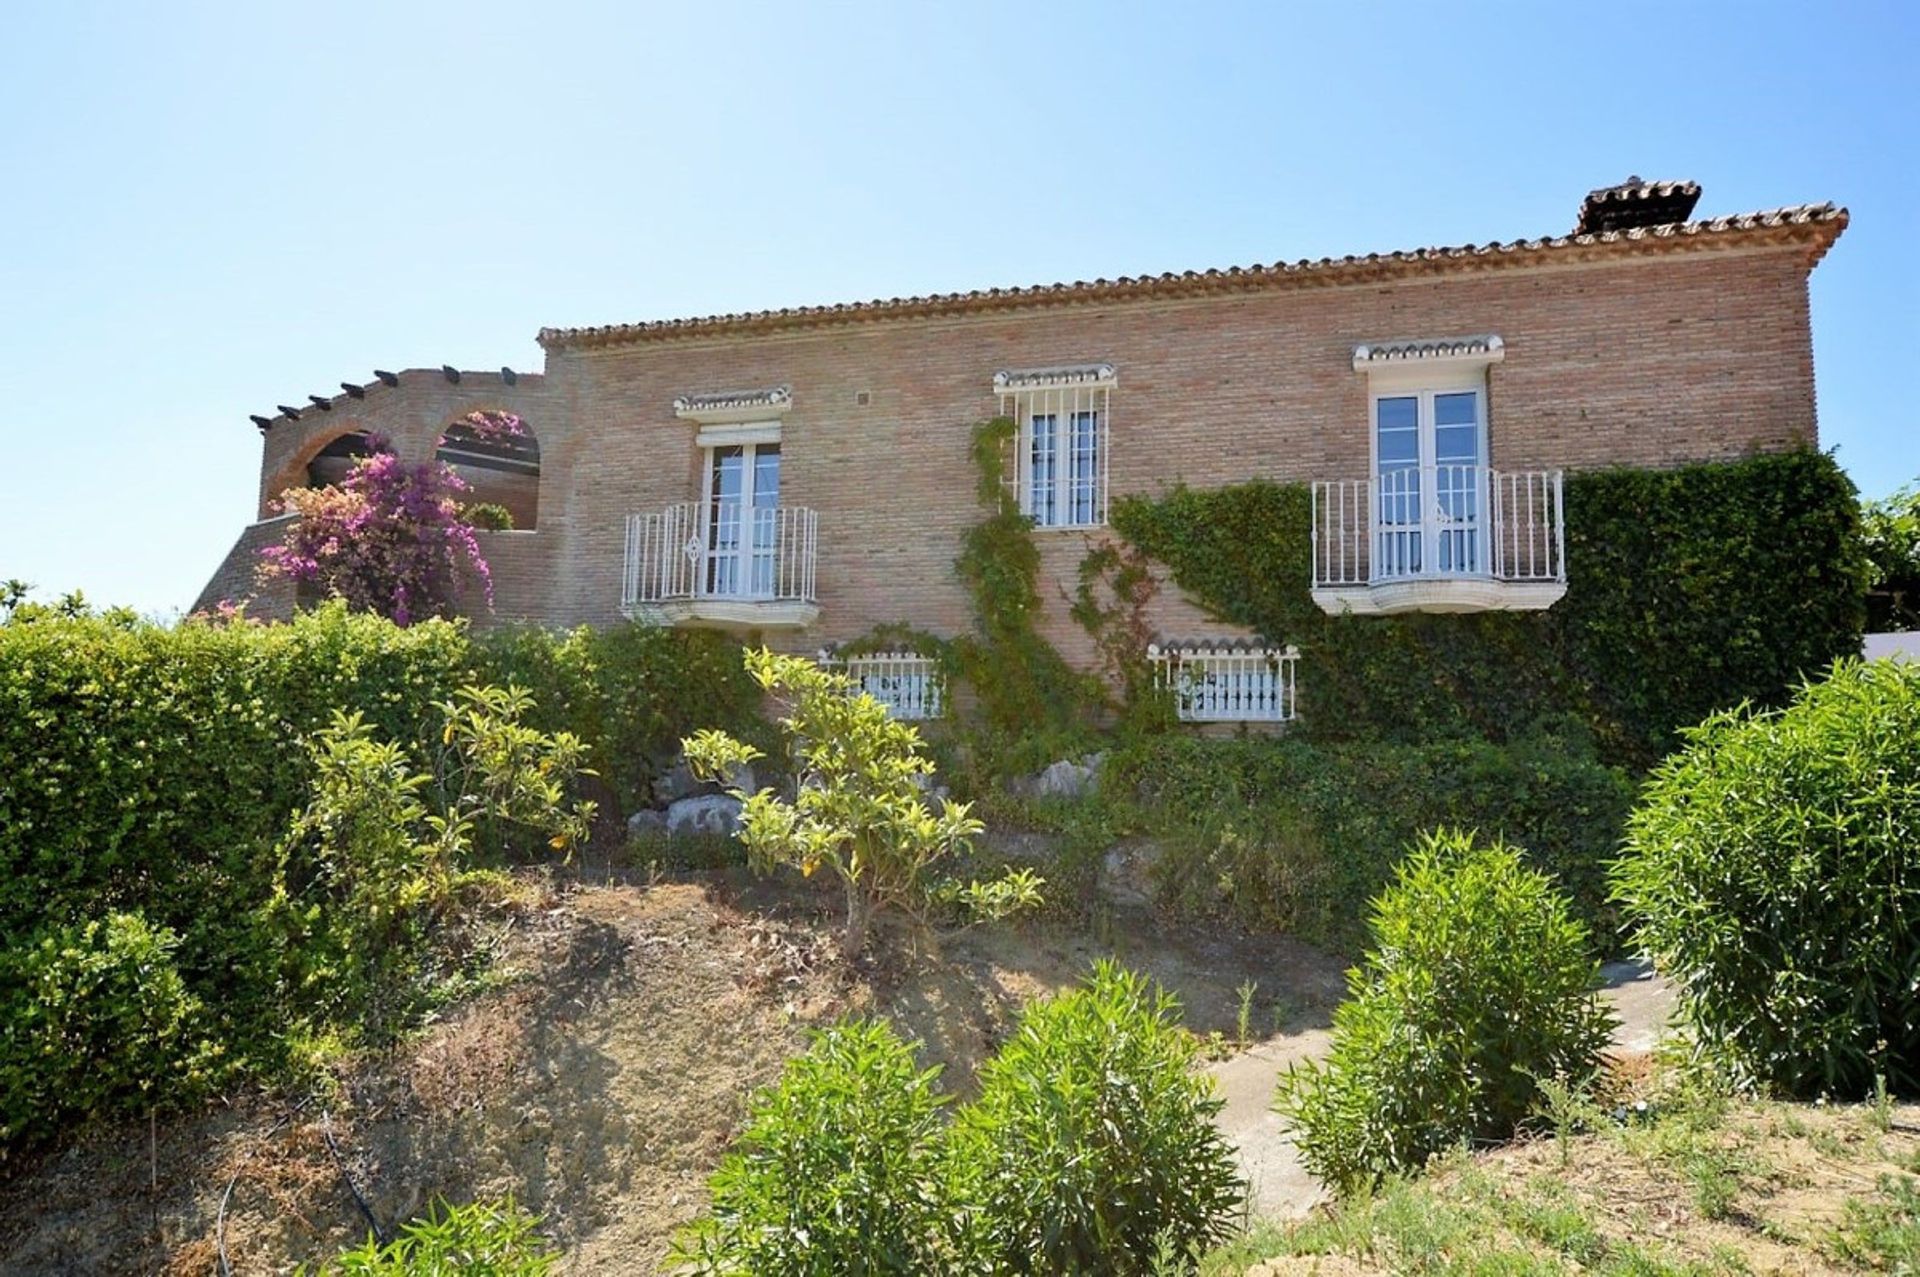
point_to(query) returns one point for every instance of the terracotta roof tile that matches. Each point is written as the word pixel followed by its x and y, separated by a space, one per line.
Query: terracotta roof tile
pixel 1816 225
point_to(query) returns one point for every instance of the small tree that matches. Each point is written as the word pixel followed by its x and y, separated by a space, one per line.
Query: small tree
pixel 859 807
pixel 391 538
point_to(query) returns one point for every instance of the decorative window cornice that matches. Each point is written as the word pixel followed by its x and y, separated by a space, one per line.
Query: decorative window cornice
pixel 1370 356
pixel 1015 380
pixel 735 405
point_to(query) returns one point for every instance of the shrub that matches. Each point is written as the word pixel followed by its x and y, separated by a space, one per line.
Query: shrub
pixel 1891 529
pixel 489 516
pixel 859 808
pixel 369 866
pixel 1091 1147
pixel 630 691
pixel 482 1238
pixel 1479 984
pixel 1299 837
pixel 94 1020
pixel 838 1170
pixel 1773 870
pixel 391 538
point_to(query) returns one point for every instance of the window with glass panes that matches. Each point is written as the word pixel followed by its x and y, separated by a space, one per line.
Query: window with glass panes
pixel 1429 449
pixel 1060 448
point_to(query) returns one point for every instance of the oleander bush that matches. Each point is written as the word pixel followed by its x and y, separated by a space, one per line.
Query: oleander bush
pixel 1092 1146
pixel 1090 1149
pixel 837 1171
pixel 482 1239
pixel 1296 836
pixel 1773 870
pixel 1480 983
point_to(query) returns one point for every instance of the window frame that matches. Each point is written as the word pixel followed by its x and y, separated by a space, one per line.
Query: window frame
pixel 1065 396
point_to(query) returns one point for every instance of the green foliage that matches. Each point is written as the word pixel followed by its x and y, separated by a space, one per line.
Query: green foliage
pixel 95 1020
pixel 485 1239
pixel 1773 871
pixel 859 806
pixel 837 1171
pixel 489 516
pixel 1091 1147
pixel 1021 682
pixel 629 691
pixel 1480 983
pixel 156 771
pixel 1298 837
pixel 1891 530
pixel 1688 590
pixel 369 867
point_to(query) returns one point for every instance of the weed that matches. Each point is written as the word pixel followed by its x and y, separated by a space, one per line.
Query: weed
pixel 1245 1021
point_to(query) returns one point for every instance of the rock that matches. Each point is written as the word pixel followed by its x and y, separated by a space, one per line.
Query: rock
pixel 716 814
pixel 1068 778
pixel 644 824
pixel 678 782
pixel 1126 874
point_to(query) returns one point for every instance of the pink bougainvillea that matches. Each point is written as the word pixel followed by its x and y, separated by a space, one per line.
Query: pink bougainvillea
pixel 389 538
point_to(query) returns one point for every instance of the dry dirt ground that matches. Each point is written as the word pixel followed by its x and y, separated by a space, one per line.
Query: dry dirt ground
pixel 599 1087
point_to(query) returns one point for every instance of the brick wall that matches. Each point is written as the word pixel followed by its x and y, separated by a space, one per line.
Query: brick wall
pixel 236 580
pixel 1647 361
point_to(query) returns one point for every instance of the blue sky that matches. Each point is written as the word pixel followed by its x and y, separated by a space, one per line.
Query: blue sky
pixel 210 209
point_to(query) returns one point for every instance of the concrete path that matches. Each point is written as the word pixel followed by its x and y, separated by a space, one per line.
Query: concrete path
pixel 1280 1185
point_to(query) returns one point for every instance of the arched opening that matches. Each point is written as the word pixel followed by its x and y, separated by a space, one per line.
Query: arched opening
pixel 499 458
pixel 331 464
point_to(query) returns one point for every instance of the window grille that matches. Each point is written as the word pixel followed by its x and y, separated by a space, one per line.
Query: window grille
pixel 1227 684
pixel 908 684
pixel 1060 450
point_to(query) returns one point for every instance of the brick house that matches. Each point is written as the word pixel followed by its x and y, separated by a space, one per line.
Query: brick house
pixel 805 473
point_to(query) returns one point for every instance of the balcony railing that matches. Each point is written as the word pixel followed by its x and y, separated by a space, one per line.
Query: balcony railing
pixel 1478 528
pixel 1227 684
pixel 748 562
pixel 908 684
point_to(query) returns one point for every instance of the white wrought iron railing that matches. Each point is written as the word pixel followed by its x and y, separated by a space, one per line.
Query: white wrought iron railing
pixel 908 684
pixel 1228 684
pixel 721 550
pixel 1439 522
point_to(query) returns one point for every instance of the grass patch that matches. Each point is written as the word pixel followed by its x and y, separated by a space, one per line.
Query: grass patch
pixel 1694 1186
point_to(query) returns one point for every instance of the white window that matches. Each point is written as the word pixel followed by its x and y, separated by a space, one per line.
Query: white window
pixel 1059 463
pixel 1227 683
pixel 1429 445
pixel 907 683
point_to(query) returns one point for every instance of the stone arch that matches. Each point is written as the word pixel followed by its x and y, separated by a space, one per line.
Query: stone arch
pixel 320 460
pixel 498 456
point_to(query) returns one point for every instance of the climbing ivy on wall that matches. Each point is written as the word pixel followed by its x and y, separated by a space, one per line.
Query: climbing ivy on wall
pixel 1688 590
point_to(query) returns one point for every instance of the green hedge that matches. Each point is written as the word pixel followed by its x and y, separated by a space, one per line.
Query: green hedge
pixel 1299 837
pixel 148 774
pixel 1688 590
pixel 147 767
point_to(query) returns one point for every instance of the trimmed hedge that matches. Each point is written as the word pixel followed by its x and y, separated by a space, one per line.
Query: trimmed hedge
pixel 1299 837
pixel 148 776
pixel 148 768
pixel 1687 590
